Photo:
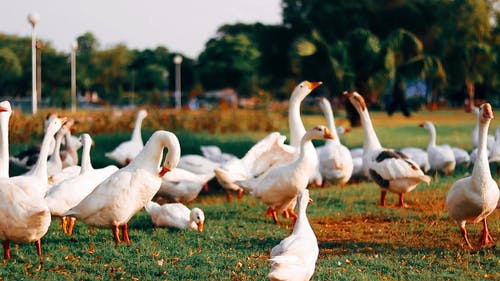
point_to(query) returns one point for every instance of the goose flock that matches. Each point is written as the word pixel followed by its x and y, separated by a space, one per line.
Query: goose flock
pixel 275 173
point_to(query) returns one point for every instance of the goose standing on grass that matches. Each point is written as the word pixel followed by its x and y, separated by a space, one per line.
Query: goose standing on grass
pixel 474 198
pixel 35 181
pixel 390 169
pixel 115 200
pixel 297 129
pixel 441 157
pixel 263 155
pixel 462 157
pixel 294 258
pixel 335 161
pixel 25 218
pixel 175 215
pixel 127 150
pixel 278 188
pixel 68 193
pixel 182 185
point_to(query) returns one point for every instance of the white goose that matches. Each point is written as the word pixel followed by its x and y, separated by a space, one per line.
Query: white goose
pixel 25 218
pixel 35 181
pixel 390 169
pixel 68 193
pixel 475 133
pixel 215 154
pixel 54 164
pixel 294 258
pixel 175 215
pixel 297 129
pixel 127 150
pixel 115 200
pixel 197 164
pixel 462 157
pixel 494 153
pixel 474 198
pixel 266 153
pixel 279 186
pixel 419 156
pixel 69 155
pixel 441 157
pixel 335 161
pixel 182 185
pixel 5 113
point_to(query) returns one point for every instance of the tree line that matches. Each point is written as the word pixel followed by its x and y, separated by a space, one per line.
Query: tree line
pixel 373 46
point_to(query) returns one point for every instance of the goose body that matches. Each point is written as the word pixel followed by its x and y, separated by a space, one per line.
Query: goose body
pixel 279 186
pixel 69 192
pixel 214 153
pixel 294 258
pixel 441 157
pixel 462 157
pixel 126 151
pixel 419 156
pixel 175 215
pixel 266 153
pixel 390 169
pixel 25 217
pixel 472 199
pixel 335 161
pixel 197 164
pixel 115 200
pixel 182 185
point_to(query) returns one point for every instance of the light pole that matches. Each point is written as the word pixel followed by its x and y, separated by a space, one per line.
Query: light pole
pixel 74 47
pixel 177 61
pixel 33 19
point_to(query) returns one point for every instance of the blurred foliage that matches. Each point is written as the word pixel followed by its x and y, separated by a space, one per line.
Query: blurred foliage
pixel 364 45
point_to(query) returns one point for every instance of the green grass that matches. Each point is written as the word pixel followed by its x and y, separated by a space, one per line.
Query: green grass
pixel 358 240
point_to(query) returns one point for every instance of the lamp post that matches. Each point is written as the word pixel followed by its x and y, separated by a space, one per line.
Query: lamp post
pixel 177 61
pixel 33 19
pixel 74 47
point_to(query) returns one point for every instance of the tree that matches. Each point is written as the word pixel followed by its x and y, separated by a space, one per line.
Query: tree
pixel 10 67
pixel 229 61
pixel 466 50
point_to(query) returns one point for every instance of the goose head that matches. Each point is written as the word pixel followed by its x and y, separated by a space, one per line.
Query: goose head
pixel 319 132
pixel 303 198
pixel 426 125
pixel 357 101
pixel 324 104
pixel 86 139
pixel 173 156
pixel 5 107
pixel 303 89
pixel 142 114
pixel 486 113
pixel 198 217
pixel 55 124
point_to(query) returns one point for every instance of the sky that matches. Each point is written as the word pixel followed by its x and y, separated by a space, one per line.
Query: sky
pixel 182 26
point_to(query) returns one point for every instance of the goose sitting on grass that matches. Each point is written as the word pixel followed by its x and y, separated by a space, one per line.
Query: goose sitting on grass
pixel 175 215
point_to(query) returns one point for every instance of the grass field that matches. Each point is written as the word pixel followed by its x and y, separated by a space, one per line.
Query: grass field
pixel 358 240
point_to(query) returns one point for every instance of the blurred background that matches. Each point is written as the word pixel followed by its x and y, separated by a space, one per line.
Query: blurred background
pixel 434 53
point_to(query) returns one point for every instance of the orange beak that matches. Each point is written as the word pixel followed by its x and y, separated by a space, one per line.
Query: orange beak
pixel 488 113
pixel 421 125
pixel 163 171
pixel 328 134
pixel 313 85
pixel 347 94
pixel 3 109
pixel 200 226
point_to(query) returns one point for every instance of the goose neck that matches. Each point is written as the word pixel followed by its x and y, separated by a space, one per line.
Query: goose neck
pixel 370 141
pixel 86 164
pixel 432 136
pixel 482 166
pixel 330 121
pixel 4 145
pixel 297 129
pixel 136 133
